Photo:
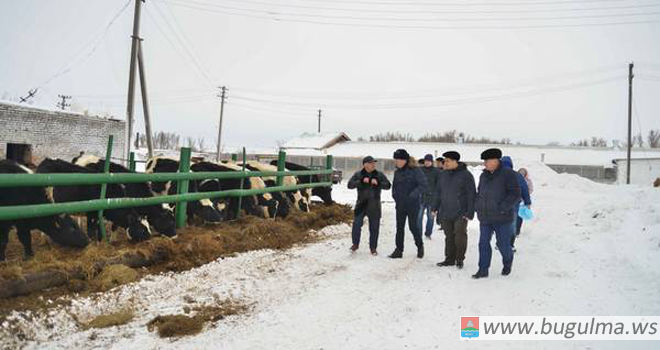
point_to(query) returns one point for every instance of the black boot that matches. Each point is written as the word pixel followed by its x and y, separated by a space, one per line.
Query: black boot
pixel 480 274
pixel 446 263
pixel 459 264
pixel 506 270
pixel 396 254
pixel 420 251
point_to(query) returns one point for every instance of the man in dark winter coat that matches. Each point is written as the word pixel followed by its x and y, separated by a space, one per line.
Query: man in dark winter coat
pixel 428 197
pixel 507 162
pixel 407 188
pixel 369 183
pixel 497 196
pixel 454 206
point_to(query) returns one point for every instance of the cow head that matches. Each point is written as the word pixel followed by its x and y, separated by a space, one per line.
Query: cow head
pixel 63 230
pixel 325 193
pixel 138 230
pixel 162 219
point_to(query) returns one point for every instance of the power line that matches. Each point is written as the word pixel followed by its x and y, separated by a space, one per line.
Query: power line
pixel 428 11
pixel 400 19
pixel 305 18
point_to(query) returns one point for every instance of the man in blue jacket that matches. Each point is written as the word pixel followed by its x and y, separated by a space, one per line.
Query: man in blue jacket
pixel 497 196
pixel 507 162
pixel 408 185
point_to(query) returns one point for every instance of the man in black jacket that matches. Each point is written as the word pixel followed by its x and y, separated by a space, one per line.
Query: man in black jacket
pixel 407 187
pixel 497 196
pixel 369 182
pixel 454 206
pixel 428 197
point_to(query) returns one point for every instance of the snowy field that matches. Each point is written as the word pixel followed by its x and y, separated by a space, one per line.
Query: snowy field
pixel 592 250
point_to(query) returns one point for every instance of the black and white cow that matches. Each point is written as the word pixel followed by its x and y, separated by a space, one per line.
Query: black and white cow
pixel 205 209
pixel 136 226
pixel 325 193
pixel 283 202
pixel 160 217
pixel 299 202
pixel 262 205
pixel 61 229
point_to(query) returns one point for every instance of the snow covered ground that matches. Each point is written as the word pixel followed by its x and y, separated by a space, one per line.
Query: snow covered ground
pixel 593 249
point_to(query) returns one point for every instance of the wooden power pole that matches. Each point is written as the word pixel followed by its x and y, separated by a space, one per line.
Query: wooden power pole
pixel 135 42
pixel 319 123
pixel 145 101
pixel 630 96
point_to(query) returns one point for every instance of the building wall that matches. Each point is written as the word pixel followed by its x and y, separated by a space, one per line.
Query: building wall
pixel 57 134
pixel 642 171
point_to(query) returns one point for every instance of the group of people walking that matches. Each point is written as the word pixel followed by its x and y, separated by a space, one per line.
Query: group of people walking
pixel 445 193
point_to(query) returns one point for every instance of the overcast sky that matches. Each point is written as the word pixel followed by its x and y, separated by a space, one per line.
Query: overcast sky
pixel 558 77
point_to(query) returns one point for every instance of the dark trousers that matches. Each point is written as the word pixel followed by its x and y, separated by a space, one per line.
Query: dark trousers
pixel 409 213
pixel 455 239
pixel 374 228
pixel 503 233
pixel 518 225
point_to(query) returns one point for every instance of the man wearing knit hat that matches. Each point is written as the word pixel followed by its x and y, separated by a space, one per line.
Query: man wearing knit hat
pixel 454 207
pixel 428 198
pixel 497 196
pixel 407 188
pixel 369 183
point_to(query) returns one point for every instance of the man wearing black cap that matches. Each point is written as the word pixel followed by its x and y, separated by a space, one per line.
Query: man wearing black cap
pixel 439 163
pixel 407 188
pixel 497 196
pixel 428 197
pixel 454 206
pixel 369 182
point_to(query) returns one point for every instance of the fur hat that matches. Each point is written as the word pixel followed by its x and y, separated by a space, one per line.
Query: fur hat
pixel 491 153
pixel 401 154
pixel 452 155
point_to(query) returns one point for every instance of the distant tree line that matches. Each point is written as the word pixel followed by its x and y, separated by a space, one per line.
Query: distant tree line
pixel 452 136
pixel 652 141
pixel 171 141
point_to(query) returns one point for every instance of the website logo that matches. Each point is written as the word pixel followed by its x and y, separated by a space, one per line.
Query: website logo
pixel 469 327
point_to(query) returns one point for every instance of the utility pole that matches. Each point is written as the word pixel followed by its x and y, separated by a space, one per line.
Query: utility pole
pixel 319 127
pixel 145 100
pixel 62 104
pixel 223 96
pixel 630 96
pixel 131 77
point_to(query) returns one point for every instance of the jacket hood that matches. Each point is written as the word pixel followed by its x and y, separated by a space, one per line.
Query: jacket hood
pixel 507 162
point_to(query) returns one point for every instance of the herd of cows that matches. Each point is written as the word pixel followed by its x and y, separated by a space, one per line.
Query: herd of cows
pixel 141 222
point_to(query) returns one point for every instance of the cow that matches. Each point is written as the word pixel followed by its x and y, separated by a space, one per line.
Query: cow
pixel 160 216
pixel 299 202
pixel 205 209
pixel 136 226
pixel 262 205
pixel 61 229
pixel 325 193
pixel 283 202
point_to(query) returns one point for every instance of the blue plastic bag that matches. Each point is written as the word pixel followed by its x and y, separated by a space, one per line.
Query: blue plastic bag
pixel 525 212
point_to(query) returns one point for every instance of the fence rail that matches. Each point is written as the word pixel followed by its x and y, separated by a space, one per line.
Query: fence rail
pixel 183 177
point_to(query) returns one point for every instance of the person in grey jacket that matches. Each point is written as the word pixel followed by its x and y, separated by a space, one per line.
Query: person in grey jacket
pixel 454 207
pixel 428 197
pixel 369 183
pixel 497 196
pixel 407 188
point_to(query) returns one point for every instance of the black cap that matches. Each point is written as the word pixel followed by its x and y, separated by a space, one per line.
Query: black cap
pixel 428 157
pixel 439 159
pixel 368 159
pixel 401 154
pixel 452 155
pixel 491 153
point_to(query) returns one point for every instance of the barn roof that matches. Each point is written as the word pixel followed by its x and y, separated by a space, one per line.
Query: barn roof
pixel 316 141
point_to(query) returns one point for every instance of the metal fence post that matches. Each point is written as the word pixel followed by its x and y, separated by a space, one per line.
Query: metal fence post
pixel 329 163
pixel 131 161
pixel 234 157
pixel 281 160
pixel 104 188
pixel 182 187
pixel 240 198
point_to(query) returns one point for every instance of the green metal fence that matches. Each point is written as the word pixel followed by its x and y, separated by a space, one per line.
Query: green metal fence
pixel 183 177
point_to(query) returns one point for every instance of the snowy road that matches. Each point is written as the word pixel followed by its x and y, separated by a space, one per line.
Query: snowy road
pixel 592 250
